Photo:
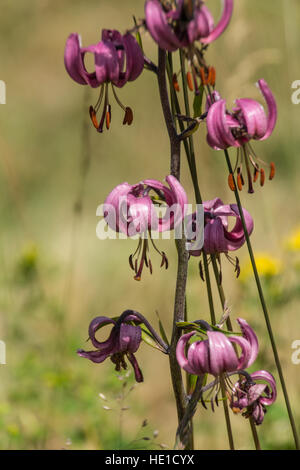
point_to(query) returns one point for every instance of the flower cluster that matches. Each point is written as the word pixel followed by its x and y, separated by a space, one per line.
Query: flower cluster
pixel 136 210
pixel 217 355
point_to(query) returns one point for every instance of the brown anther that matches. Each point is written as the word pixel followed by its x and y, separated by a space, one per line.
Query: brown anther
pixel 231 182
pixel 255 175
pixel 272 171
pixel 189 78
pixel 175 83
pixel 128 118
pixel 239 181
pixel 212 72
pixel 93 117
pixel 137 278
pixel 262 176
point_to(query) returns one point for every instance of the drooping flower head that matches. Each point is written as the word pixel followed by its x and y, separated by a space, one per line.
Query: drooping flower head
pixel 254 397
pixel 178 25
pixel 216 355
pixel 131 209
pixel 248 120
pixel 218 238
pixel 124 340
pixel 118 59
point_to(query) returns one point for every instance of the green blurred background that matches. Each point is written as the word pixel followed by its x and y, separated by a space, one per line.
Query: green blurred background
pixel 55 275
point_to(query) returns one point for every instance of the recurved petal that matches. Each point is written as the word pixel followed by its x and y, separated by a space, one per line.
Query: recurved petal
pixel 115 208
pixel 272 392
pixel 250 336
pixel 223 23
pixel 272 107
pixel 72 59
pixel 246 351
pixel 254 117
pixel 158 26
pixel 219 135
pixel 94 356
pixel 94 326
pixel 134 58
pixel 180 353
pixel 137 371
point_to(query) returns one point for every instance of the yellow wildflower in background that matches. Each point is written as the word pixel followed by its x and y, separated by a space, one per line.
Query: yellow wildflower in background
pixel 267 266
pixel 292 243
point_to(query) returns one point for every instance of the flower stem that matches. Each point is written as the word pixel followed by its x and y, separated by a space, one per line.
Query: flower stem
pixel 182 264
pixel 193 170
pixel 263 304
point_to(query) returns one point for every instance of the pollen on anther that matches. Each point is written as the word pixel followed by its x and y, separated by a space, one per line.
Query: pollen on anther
pixel 272 171
pixel 93 117
pixel 231 182
pixel 212 75
pixel 239 182
pixel 255 175
pixel 190 81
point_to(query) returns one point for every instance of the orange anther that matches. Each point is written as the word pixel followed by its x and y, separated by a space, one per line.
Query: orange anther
pixel 175 83
pixel 212 72
pixel 190 81
pixel 239 182
pixel 93 117
pixel 272 171
pixel 231 182
pixel 255 175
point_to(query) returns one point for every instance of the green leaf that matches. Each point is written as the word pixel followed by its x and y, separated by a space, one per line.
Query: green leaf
pixel 197 104
pixel 148 338
pixel 162 330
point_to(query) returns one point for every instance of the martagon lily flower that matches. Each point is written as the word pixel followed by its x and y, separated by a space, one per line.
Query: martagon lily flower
pixel 174 25
pixel 216 355
pixel 247 121
pixel 217 236
pixel 254 397
pixel 123 341
pixel 131 209
pixel 118 59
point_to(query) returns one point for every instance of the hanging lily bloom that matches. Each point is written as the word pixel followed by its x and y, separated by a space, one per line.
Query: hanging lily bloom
pixel 254 397
pixel 247 121
pixel 174 25
pixel 118 59
pixel 124 340
pixel 131 209
pixel 178 25
pixel 217 237
pixel 216 355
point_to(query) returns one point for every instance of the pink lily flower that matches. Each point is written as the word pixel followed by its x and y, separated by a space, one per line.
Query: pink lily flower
pixel 124 340
pixel 131 209
pixel 217 238
pixel 118 59
pixel 175 27
pixel 247 121
pixel 216 355
pixel 254 396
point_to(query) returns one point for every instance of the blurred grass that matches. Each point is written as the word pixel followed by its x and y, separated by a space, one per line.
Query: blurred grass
pixel 56 275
